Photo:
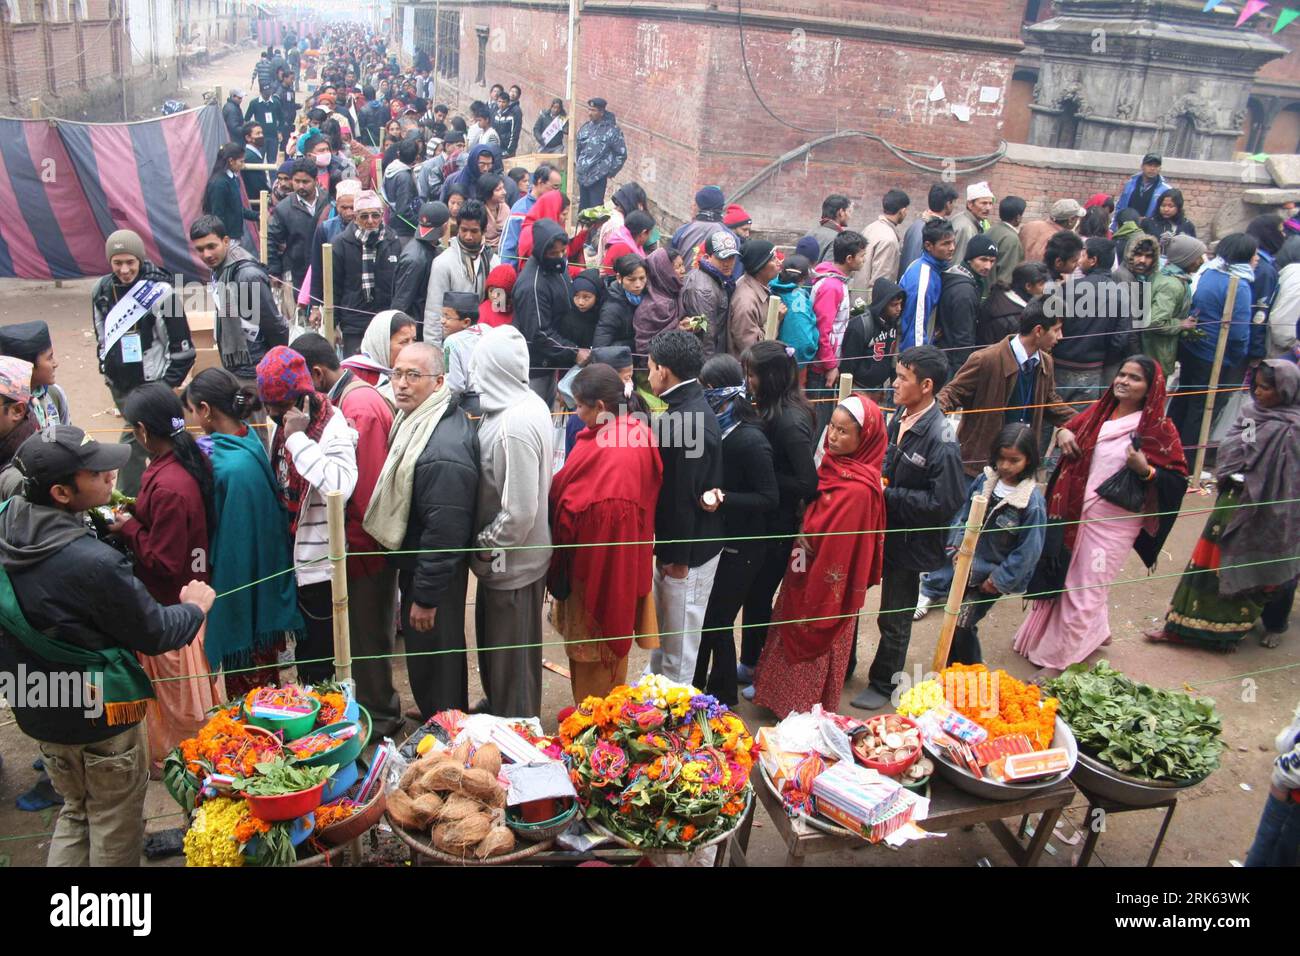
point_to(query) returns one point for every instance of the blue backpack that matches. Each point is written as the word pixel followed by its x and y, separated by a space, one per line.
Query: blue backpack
pixel 799 326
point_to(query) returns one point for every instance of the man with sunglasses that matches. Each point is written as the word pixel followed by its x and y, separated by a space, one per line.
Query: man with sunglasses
pixel 365 265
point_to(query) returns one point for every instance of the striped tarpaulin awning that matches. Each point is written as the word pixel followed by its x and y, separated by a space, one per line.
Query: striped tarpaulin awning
pixel 65 186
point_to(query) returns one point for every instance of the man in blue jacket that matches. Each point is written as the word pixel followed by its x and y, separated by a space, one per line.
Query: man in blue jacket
pixel 1143 191
pixel 1196 352
pixel 923 283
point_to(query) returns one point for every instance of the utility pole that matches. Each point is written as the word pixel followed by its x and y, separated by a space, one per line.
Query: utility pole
pixel 571 96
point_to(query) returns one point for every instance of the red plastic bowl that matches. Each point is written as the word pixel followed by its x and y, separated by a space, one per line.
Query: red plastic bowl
pixel 286 806
pixel 894 767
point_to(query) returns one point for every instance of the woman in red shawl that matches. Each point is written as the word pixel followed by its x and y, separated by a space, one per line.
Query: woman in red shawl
pixel 551 206
pixel 1083 556
pixel 826 582
pixel 606 492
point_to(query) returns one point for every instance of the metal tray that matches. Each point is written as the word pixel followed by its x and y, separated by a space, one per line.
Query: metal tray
pixel 993 790
pixel 1101 780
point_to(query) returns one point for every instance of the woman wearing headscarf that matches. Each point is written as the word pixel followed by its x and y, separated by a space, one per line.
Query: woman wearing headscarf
pixel 387 334
pixel 661 306
pixel 1124 429
pixel 1244 557
pixel 805 660
pixel 627 199
pixel 602 507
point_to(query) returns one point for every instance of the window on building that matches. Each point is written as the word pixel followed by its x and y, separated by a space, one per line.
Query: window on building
pixel 448 59
pixel 481 75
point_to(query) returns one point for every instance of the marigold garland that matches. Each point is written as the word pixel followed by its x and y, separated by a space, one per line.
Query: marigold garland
pixel 971 689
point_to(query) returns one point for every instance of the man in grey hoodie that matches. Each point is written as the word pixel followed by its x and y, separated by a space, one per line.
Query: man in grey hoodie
pixel 73 614
pixel 515 438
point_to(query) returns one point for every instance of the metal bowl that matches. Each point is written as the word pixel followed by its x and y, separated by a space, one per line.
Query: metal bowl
pixel 988 789
pixel 1101 780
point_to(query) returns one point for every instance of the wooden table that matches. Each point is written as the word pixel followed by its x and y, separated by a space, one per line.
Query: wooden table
pixel 950 809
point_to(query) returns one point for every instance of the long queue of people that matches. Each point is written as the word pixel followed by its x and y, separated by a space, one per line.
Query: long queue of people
pixel 700 475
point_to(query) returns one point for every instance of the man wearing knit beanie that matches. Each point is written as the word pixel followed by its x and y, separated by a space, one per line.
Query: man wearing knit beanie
pixel 960 297
pixel 710 208
pixel 313 454
pixel 141 333
pixel 748 318
pixel 738 221
pixel 1171 301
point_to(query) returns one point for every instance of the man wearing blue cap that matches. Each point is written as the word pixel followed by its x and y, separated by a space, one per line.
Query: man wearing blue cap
pixel 601 153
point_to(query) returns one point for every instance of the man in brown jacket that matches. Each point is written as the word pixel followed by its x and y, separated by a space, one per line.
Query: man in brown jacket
pixel 884 245
pixel 748 321
pixel 1015 377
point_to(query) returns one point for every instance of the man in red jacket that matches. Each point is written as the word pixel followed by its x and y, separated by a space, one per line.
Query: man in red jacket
pixel 372 584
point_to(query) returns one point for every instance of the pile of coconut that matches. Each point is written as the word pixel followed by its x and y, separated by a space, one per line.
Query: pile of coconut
pixel 457 794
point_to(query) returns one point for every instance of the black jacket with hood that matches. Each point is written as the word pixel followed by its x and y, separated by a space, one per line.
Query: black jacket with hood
pixel 870 341
pixel 249 300
pixel 690 444
pixel 616 312
pixel 957 315
pixel 1000 316
pixel 289 235
pixel 509 125
pixel 411 284
pixel 353 311
pixel 1098 327
pixel 73 587
pixel 542 297
pixel 926 487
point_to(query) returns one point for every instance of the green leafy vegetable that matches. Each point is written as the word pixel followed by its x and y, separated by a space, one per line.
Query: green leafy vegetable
pixel 1139 730
pixel 275 846
pixel 277 777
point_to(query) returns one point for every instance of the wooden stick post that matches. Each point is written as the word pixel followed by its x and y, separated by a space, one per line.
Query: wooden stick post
pixel 960 575
pixel 1207 416
pixel 327 283
pixel 263 222
pixel 571 98
pixel 335 502
pixel 772 328
pixel 846 386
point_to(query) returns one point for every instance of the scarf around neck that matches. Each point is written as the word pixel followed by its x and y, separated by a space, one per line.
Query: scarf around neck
pixel 390 505
pixel 370 239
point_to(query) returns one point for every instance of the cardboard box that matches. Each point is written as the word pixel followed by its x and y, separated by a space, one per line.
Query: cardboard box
pixel 203 327
pixel 205 358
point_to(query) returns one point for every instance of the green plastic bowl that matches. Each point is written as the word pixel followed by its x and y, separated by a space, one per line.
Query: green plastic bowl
pixel 344 754
pixel 292 728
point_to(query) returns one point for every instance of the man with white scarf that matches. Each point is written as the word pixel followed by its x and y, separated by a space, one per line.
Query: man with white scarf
pixel 424 502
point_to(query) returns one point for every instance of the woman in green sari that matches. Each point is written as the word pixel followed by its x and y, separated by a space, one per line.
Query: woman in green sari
pixel 1241 561
pixel 249 541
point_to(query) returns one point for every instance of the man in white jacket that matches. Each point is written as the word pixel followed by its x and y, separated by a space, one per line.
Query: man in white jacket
pixel 462 267
pixel 314 454
pixel 515 455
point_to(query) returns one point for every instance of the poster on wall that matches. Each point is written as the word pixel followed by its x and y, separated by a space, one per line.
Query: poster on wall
pixel 408 31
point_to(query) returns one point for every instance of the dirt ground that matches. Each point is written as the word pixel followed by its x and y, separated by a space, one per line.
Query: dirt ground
pixel 1255 689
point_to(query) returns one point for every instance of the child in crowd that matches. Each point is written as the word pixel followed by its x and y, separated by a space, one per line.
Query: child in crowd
pixel 871 339
pixel 1010 542
pixel 461 334
pixel 30 341
pixel 799 325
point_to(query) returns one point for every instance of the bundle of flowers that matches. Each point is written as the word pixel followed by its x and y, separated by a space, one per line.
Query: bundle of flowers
pixel 221 829
pixel 333 703
pixel 1000 703
pixel 659 764
pixel 224 745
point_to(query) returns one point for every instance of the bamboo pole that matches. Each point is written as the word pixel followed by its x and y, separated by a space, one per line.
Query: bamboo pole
pixel 334 503
pixel 773 326
pixel 571 97
pixel 846 385
pixel 327 283
pixel 263 222
pixel 960 575
pixel 1207 416
pixel 264 167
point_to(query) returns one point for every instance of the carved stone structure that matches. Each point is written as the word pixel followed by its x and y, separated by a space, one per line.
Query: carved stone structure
pixel 1132 76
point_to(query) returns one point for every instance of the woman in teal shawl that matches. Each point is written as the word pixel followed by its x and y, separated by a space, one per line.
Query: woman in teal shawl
pixel 250 540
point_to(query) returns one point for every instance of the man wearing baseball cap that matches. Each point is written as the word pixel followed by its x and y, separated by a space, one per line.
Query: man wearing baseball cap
pixel 974 219
pixel 1064 215
pixel 601 153
pixel 708 288
pixel 73 613
pixel 1143 190
pixel 411 284
pixel 961 293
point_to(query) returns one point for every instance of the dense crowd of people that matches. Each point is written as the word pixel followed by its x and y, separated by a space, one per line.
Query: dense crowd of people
pixel 704 466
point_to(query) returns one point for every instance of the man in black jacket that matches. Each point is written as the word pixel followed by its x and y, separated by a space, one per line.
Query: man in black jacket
pixel 255 180
pixel 542 298
pixel 441 517
pixel 686 557
pixel 293 223
pixel 1097 327
pixel 925 488
pixel 233 115
pixel 138 343
pixel 265 111
pixel 509 123
pixel 365 265
pixel 962 291
pixel 76 617
pixel 249 323
pixel 411 285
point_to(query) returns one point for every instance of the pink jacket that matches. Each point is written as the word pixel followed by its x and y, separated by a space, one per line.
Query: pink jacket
pixel 830 305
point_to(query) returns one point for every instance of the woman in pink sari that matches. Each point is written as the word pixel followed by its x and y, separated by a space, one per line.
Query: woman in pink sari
pixel 1064 628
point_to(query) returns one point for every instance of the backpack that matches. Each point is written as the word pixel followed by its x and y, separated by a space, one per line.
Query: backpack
pixel 799 326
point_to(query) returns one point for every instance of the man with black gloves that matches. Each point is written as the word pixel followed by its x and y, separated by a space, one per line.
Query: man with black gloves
pixel 961 292
pixel 73 617
pixel 141 332
pixel 411 286
pixel 925 486
pixel 542 299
